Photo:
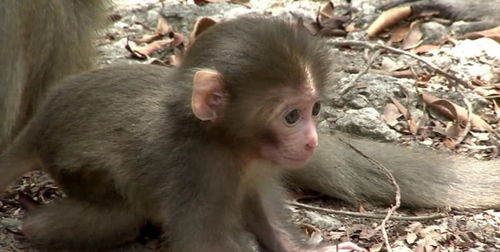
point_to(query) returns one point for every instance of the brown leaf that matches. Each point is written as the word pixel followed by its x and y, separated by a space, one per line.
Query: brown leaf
pixel 377 247
pixel 326 11
pixel 351 28
pixel 387 19
pixel 487 92
pixel 312 27
pixel 412 127
pixel 425 48
pixel 399 33
pixel 478 82
pixel 147 38
pixel 178 40
pixel 163 28
pixel 391 114
pixel 389 65
pixel 144 51
pixel 449 143
pixel 333 26
pixel 414 36
pixel 496 107
pixel 493 33
pixel 454 112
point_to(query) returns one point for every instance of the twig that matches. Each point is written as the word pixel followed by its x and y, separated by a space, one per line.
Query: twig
pixel 394 183
pixel 369 64
pixel 429 64
pixel 365 215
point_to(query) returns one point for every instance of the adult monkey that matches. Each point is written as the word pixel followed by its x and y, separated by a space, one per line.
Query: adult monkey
pixel 199 146
pixel 41 42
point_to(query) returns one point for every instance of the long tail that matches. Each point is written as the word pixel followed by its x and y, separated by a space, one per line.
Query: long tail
pixel 427 178
pixel 16 160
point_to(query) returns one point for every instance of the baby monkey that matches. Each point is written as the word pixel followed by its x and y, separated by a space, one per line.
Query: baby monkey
pixel 197 150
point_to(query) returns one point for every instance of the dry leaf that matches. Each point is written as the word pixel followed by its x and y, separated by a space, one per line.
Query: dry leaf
pixel 488 92
pixel 162 28
pixel 412 127
pixel 387 19
pixel 333 26
pixel 425 48
pixel 493 33
pixel 454 112
pixel 389 65
pixel 449 143
pixel 144 52
pixel 414 37
pixel 391 114
pixel 496 108
pixel 399 33
pixel 351 28
pixel 147 50
pixel 377 247
pixel 312 27
pixel 326 11
pixel 478 82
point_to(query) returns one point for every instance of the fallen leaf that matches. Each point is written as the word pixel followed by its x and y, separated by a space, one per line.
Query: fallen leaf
pixel 389 65
pixel 493 33
pixel 387 19
pixel 163 28
pixel 376 247
pixel 449 143
pixel 414 36
pixel 144 52
pixel 455 112
pixel 326 11
pixel 333 26
pixel 496 108
pixel 399 33
pixel 391 114
pixel 351 28
pixel 425 48
pixel 488 92
pixel 412 127
pixel 312 27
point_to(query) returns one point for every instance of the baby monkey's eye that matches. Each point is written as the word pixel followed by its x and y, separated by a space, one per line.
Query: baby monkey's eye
pixel 316 109
pixel 292 117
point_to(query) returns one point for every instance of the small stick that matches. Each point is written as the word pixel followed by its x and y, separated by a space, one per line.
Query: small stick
pixel 429 64
pixel 365 215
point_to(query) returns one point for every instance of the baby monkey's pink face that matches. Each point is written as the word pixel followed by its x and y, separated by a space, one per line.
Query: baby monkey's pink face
pixel 288 137
pixel 294 129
